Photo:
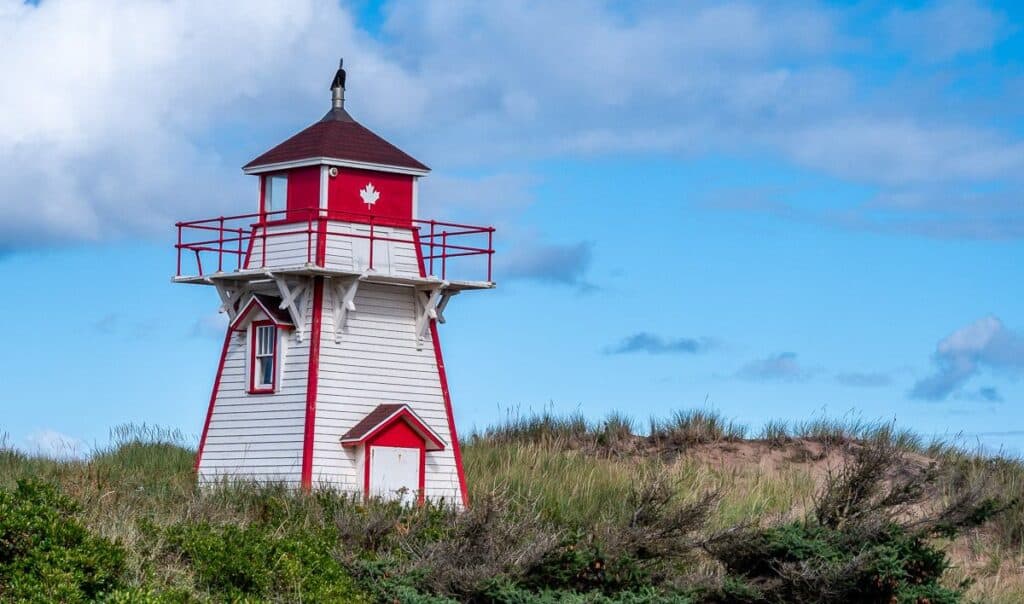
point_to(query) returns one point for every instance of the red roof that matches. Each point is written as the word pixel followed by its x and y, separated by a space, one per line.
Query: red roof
pixel 385 415
pixel 337 136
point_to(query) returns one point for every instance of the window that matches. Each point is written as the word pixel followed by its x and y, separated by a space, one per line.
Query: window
pixel 264 357
pixel 275 196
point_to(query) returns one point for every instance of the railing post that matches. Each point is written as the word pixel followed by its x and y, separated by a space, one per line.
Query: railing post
pixel 309 238
pixel 371 242
pixel 444 255
pixel 263 248
pixel 238 262
pixel 490 253
pixel 179 249
pixel 220 246
pixel 432 224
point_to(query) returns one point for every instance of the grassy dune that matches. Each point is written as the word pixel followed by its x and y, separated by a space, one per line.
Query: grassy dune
pixel 689 509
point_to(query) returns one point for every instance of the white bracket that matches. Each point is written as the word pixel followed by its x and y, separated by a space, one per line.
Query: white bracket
pixel 290 300
pixel 229 298
pixel 427 302
pixel 445 297
pixel 343 295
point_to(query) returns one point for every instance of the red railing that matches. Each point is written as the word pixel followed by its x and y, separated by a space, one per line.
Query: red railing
pixel 229 241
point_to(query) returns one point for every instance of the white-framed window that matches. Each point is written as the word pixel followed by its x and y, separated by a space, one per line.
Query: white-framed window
pixel 263 373
pixel 275 195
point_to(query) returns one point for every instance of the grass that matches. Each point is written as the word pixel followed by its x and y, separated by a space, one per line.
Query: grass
pixel 553 496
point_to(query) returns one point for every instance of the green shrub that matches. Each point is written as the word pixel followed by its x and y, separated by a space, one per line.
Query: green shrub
pixel 46 555
pixel 238 563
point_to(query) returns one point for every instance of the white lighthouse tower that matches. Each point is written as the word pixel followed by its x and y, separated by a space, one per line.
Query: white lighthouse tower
pixel 331 373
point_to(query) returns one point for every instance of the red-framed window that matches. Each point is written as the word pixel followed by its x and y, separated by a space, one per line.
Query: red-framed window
pixel 263 357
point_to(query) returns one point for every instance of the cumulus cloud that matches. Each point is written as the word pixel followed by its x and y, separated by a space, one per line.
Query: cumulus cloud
pixel 655 344
pixel 984 344
pixel 53 444
pixel 121 117
pixel 782 366
pixel 553 263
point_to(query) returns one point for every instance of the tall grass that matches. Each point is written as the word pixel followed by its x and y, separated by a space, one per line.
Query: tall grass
pixel 550 467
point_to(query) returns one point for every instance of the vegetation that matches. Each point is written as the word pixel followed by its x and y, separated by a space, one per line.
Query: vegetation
pixel 696 510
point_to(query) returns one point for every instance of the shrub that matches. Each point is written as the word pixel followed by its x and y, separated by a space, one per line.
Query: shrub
pixel 236 563
pixel 46 555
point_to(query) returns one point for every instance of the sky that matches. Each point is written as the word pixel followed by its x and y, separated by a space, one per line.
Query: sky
pixel 772 210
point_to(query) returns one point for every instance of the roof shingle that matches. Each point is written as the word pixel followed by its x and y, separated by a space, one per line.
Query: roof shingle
pixel 338 136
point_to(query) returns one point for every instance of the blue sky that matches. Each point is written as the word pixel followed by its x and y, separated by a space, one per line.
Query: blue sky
pixel 781 211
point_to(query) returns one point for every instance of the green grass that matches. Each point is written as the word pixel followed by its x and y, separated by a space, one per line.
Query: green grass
pixel 563 509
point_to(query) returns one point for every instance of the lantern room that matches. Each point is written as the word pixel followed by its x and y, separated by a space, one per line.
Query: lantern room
pixel 339 166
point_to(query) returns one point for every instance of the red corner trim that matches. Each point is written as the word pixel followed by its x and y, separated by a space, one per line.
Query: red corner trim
pixel 456 449
pixel 213 399
pixel 311 383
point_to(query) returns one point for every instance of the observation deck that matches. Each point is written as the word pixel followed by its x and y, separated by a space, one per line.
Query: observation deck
pixel 313 242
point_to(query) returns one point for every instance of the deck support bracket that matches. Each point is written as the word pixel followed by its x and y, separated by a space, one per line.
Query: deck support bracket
pixel 292 301
pixel 343 295
pixel 229 297
pixel 427 301
pixel 446 295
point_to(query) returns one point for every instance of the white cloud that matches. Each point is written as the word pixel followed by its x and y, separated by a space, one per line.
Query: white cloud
pixel 121 117
pixel 986 343
pixel 783 366
pixel 53 444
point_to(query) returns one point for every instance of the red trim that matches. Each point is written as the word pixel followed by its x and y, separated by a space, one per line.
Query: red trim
pixel 312 381
pixel 405 414
pixel 252 359
pixel 213 399
pixel 240 318
pixel 456 449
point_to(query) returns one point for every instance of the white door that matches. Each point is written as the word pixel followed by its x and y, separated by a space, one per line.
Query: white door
pixel 395 473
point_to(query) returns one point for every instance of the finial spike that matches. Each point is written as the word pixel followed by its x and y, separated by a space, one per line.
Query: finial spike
pixel 338 86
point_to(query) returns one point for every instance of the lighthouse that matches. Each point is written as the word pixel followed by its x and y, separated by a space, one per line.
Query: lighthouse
pixel 331 373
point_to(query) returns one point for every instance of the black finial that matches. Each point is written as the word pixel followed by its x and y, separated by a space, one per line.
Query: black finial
pixel 337 112
pixel 339 76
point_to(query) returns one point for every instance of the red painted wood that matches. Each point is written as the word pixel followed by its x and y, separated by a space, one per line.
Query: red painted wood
pixel 397 434
pixel 312 381
pixel 395 202
pixel 303 192
pixel 456 449
pixel 213 398
pixel 404 416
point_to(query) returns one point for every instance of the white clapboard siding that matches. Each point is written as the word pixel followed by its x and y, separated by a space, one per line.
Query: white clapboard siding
pixel 348 248
pixel 283 250
pixel 259 437
pixel 377 361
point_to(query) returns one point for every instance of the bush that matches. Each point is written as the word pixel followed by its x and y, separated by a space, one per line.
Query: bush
pixel 46 555
pixel 233 563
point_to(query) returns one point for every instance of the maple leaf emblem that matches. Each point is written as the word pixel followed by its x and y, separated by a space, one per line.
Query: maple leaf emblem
pixel 369 194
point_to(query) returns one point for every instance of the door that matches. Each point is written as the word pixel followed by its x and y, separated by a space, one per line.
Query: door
pixel 395 473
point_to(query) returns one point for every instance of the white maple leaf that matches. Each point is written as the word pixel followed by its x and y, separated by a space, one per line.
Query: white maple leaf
pixel 369 194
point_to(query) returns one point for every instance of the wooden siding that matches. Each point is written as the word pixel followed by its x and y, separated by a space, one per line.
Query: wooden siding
pixel 294 249
pixel 258 436
pixel 377 361
pixel 343 252
pixel 353 253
